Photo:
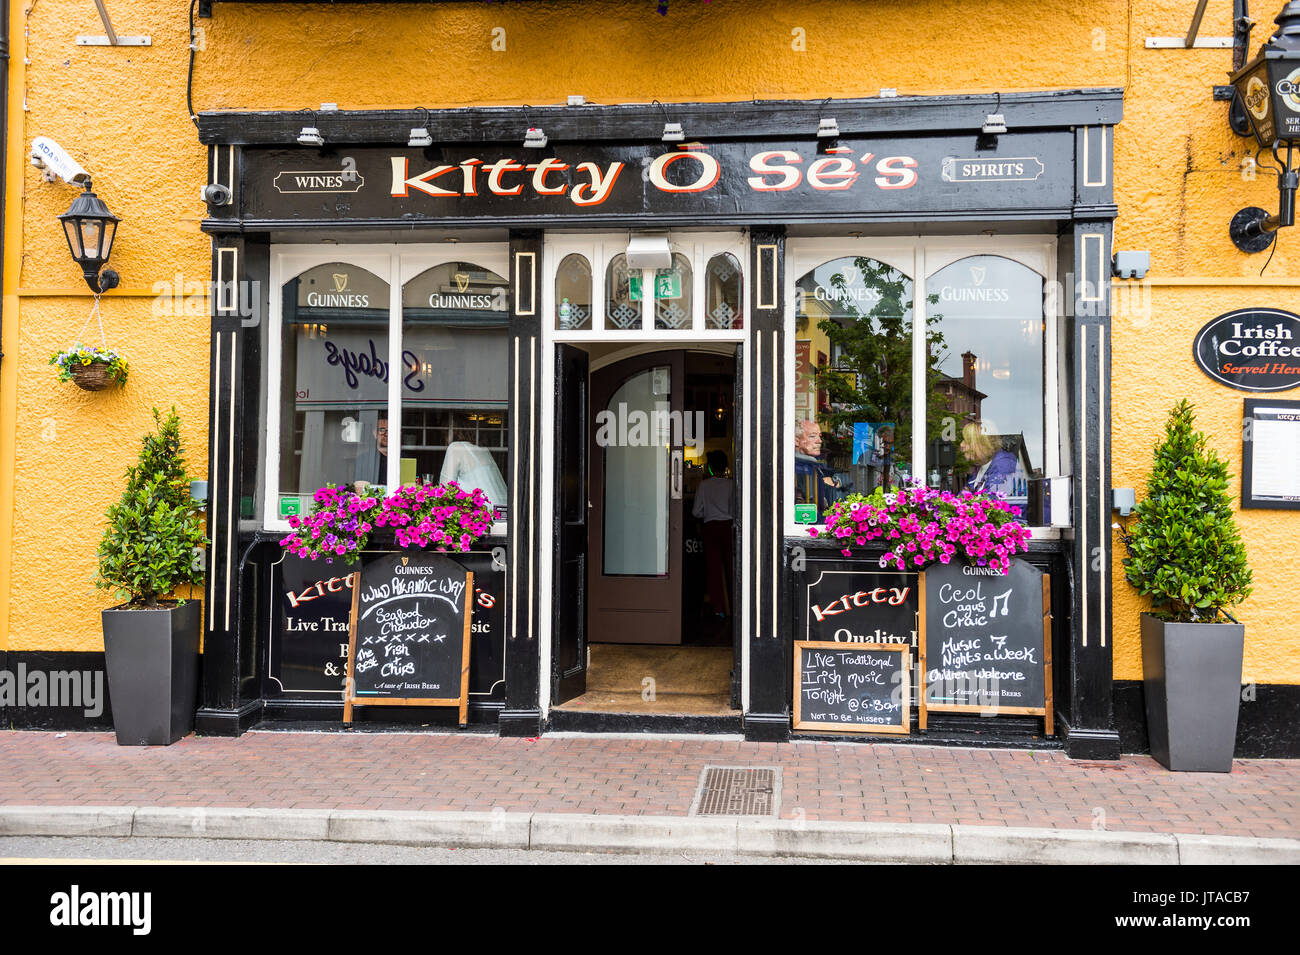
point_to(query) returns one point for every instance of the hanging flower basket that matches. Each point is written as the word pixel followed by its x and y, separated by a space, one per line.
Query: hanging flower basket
pixel 91 369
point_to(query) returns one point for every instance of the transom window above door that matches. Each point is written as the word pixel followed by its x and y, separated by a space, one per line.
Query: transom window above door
pixel 593 289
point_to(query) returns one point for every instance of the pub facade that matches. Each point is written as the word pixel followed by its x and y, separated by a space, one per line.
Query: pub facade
pixel 589 310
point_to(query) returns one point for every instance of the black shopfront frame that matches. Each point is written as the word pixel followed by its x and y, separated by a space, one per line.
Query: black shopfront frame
pixel 1052 172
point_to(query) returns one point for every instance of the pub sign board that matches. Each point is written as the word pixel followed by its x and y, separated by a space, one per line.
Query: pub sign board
pixel 1251 349
pixel 852 687
pixel 409 634
pixel 986 641
pixel 849 603
pixel 732 180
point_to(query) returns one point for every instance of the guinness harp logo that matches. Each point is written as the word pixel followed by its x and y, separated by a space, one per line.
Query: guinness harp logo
pixel 977 273
pixel 405 561
pixel 340 282
pixel 462 281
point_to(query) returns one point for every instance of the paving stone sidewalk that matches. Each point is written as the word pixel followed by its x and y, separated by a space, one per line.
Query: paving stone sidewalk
pixel 648 776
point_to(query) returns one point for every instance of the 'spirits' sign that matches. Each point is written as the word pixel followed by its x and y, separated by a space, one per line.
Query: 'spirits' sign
pixel 733 180
pixel 1251 349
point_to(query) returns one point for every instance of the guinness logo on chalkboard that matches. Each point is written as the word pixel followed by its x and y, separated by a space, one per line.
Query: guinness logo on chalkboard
pixel 405 561
pixel 1251 349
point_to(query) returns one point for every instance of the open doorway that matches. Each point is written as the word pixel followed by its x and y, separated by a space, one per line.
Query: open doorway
pixel 650 625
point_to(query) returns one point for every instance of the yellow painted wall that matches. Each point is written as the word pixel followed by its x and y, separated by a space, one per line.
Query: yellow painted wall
pixel 122 112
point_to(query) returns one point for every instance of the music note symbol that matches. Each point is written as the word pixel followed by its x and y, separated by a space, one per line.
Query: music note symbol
pixel 1006 600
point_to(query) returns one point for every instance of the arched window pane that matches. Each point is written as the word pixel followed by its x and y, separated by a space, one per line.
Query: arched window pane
pixel 455 321
pixel 853 382
pixel 989 312
pixel 673 295
pixel 623 295
pixel 722 293
pixel 573 293
pixel 333 391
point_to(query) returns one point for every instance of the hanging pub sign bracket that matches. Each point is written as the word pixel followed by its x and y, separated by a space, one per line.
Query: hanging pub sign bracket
pixel 111 38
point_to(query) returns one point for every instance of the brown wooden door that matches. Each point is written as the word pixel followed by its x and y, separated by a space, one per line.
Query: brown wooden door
pixel 634 583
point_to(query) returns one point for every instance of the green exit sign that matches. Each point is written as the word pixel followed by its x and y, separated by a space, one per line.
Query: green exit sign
pixel 805 513
pixel 666 286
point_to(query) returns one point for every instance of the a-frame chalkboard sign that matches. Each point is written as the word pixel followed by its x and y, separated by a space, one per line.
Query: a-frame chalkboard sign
pixel 408 642
pixel 986 641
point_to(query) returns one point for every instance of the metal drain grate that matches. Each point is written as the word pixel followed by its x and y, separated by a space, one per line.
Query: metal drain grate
pixel 738 791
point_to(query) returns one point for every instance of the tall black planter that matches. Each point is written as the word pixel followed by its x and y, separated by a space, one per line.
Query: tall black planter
pixel 152 658
pixel 1192 681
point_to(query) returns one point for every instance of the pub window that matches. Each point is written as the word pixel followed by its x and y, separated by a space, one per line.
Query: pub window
pixel 988 398
pixel 673 295
pixel 367 390
pixel 573 293
pixel 722 293
pixel 623 296
pixel 453 379
pixel 853 382
pixel 333 365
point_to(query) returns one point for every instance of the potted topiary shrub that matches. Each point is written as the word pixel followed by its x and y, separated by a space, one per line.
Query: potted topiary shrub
pixel 1186 554
pixel 151 644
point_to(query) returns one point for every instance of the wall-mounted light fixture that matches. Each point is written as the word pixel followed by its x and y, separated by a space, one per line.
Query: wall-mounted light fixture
pixel 420 134
pixel 90 229
pixel 1269 89
pixel 310 136
pixel 673 133
pixel 535 138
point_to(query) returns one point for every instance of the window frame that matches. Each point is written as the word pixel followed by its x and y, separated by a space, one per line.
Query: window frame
pixel 601 248
pixel 396 264
pixel 920 259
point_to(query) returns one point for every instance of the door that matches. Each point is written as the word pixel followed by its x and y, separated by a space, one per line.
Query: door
pixel 737 542
pixel 569 621
pixel 637 467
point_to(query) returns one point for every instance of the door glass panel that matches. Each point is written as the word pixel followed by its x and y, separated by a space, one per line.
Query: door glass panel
pixel 722 293
pixel 623 295
pixel 853 382
pixel 333 390
pixel 454 395
pixel 573 293
pixel 633 429
pixel 989 394
pixel 673 294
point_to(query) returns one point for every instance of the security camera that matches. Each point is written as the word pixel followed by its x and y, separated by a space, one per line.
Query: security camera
pixel 53 160
pixel 215 194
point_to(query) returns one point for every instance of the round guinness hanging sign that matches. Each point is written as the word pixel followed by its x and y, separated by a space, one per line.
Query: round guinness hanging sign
pixel 1251 349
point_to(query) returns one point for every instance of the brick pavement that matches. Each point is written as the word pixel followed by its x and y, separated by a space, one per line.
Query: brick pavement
pixel 657 776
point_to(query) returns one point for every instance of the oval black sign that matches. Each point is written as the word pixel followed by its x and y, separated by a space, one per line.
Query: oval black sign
pixel 1251 349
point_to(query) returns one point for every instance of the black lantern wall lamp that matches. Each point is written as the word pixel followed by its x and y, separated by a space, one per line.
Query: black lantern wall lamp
pixel 1268 88
pixel 87 225
pixel 90 229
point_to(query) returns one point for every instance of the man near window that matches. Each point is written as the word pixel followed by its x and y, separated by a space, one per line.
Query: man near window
pixel 715 507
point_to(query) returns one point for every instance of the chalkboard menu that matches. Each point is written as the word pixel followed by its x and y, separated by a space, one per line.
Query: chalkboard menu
pixel 986 640
pixel 856 605
pixel 409 634
pixel 852 687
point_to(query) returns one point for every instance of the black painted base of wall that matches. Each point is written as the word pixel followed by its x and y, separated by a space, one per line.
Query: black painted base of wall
pixel 22 708
pixel 1268 723
pixel 587 722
